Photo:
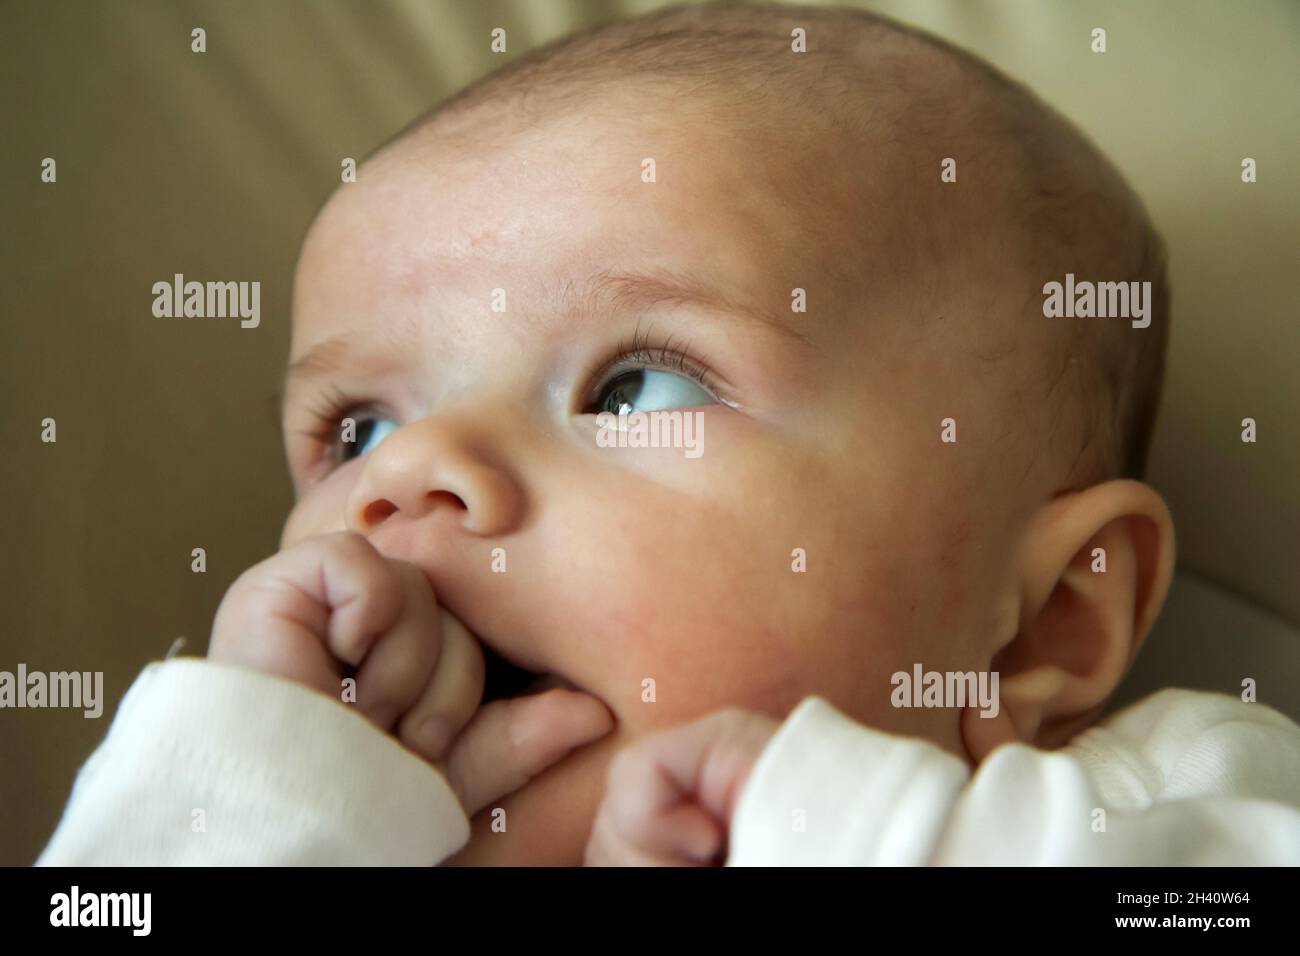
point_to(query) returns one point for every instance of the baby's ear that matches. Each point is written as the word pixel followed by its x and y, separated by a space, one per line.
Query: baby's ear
pixel 1093 567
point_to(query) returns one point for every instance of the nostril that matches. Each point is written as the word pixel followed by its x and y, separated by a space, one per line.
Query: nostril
pixel 377 511
pixel 445 498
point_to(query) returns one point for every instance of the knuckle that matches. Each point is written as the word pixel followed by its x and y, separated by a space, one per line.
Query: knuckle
pixel 247 581
pixel 242 605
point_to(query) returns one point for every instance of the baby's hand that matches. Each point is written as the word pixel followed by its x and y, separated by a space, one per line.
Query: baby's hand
pixel 669 797
pixel 332 607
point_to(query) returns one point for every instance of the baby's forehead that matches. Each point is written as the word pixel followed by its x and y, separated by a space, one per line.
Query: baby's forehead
pixel 553 203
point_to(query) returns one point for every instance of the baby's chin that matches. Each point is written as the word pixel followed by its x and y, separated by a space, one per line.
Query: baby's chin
pixel 548 820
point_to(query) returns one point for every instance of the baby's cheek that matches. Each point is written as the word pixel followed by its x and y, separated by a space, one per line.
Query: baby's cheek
pixel 709 643
pixel 683 640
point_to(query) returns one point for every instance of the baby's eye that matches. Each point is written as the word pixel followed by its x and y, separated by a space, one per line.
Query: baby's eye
pixel 369 433
pixel 649 390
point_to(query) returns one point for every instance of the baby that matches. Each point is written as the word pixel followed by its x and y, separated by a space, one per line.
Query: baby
pixel 496 635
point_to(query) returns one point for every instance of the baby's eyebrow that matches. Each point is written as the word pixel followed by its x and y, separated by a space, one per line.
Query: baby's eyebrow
pixel 346 350
pixel 321 359
pixel 644 290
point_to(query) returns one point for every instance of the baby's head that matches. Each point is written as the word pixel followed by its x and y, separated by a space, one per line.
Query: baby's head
pixel 683 213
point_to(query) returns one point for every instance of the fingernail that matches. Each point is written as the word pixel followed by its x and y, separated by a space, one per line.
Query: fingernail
pixel 521 731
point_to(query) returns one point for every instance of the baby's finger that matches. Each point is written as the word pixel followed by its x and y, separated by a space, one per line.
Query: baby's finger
pixel 398 667
pixel 354 582
pixel 650 809
pixel 708 759
pixel 511 741
pixel 452 695
pixel 682 836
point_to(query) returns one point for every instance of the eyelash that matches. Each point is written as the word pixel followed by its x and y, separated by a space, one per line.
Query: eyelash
pixel 334 404
pixel 639 353
pixel 328 412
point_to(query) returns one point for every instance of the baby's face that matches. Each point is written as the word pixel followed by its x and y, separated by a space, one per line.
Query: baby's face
pixel 821 432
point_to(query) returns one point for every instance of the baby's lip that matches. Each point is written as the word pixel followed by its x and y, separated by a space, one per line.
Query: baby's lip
pixel 506 674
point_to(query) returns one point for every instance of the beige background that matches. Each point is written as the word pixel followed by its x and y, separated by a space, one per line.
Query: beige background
pixel 213 164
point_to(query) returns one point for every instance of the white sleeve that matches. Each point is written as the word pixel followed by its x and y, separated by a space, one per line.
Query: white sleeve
pixel 1183 778
pixel 217 765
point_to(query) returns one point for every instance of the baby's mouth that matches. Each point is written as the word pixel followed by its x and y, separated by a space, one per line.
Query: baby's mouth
pixel 503 680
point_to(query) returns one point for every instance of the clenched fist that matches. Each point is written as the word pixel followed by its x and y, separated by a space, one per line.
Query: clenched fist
pixel 669 797
pixel 332 607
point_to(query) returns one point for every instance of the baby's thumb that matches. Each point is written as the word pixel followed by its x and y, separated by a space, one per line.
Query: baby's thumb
pixel 511 741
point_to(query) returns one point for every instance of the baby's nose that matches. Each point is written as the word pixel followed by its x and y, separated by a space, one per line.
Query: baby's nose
pixel 422 468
